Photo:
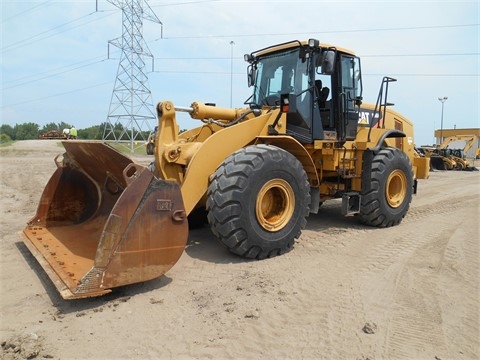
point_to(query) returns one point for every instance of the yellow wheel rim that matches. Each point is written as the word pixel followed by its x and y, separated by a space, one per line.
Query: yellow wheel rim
pixel 275 205
pixel 396 188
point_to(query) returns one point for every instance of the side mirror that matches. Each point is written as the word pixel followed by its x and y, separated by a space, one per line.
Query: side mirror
pixel 251 74
pixel 328 62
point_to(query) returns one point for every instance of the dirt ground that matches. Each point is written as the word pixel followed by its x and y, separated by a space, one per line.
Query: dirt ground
pixel 345 291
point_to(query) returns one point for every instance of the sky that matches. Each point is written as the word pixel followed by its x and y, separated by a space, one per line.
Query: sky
pixel 56 64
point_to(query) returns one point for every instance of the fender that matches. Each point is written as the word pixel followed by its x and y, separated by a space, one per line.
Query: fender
pixel 291 145
pixel 213 151
pixel 388 134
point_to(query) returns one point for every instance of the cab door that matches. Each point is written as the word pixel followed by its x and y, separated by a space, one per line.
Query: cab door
pixel 305 122
pixel 350 96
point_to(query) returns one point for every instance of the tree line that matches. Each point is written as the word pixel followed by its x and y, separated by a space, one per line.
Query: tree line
pixel 30 131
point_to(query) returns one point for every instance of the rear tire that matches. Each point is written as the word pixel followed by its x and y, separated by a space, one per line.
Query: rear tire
pixel 258 201
pixel 387 194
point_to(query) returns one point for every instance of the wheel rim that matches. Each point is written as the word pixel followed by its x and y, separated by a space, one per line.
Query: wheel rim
pixel 396 188
pixel 275 205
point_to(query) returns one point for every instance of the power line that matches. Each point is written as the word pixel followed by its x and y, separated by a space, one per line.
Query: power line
pixel 30 38
pixel 22 43
pixel 33 39
pixel 52 75
pixel 365 74
pixel 216 73
pixel 24 12
pixel 316 32
pixel 59 94
pixel 54 72
pixel 426 75
pixel 60 71
pixel 420 55
pixel 94 61
pixel 219 73
pixel 197 72
pixel 185 3
pixel 371 55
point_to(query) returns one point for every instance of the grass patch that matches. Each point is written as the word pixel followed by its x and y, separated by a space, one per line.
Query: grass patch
pixel 125 148
pixel 5 144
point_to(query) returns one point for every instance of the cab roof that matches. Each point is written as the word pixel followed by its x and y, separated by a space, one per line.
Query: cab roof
pixel 298 43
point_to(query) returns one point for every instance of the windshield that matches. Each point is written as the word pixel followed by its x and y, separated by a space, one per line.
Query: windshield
pixel 279 73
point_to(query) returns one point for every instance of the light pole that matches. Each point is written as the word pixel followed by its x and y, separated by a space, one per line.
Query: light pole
pixel 231 72
pixel 442 100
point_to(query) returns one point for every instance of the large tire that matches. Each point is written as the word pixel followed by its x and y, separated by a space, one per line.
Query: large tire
pixel 258 201
pixel 387 188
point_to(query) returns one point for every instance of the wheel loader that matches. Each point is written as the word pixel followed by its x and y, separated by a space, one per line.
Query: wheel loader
pixel 459 155
pixel 440 159
pixel 304 137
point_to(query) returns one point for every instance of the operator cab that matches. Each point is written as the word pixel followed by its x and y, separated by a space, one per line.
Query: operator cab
pixel 319 87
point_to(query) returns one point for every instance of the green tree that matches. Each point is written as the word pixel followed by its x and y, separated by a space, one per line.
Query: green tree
pixel 26 131
pixel 4 138
pixel 6 129
pixel 50 126
pixel 91 133
pixel 63 125
pixel 117 130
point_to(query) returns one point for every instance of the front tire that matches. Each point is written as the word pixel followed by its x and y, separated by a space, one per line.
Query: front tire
pixel 387 188
pixel 258 201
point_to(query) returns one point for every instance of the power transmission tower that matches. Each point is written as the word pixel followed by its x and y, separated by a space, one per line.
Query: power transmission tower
pixel 131 103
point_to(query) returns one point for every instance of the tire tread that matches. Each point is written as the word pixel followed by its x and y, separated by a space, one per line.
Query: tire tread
pixel 229 185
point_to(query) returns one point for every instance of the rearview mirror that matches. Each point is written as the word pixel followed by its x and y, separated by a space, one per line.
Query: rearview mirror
pixel 328 62
pixel 251 73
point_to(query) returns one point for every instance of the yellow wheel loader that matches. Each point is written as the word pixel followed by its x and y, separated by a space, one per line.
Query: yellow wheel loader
pixel 440 159
pixel 304 137
pixel 459 155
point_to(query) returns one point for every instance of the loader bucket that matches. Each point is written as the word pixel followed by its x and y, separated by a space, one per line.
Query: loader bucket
pixel 104 222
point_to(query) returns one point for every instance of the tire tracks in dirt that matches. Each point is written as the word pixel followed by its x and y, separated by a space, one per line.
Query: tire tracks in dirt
pixel 377 286
pixel 399 282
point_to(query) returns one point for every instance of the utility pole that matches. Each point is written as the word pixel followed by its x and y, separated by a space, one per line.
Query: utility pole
pixel 131 102
pixel 442 100
pixel 231 72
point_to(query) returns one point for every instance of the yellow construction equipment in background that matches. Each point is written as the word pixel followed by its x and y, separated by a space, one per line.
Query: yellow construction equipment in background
pixel 459 155
pixel 445 158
